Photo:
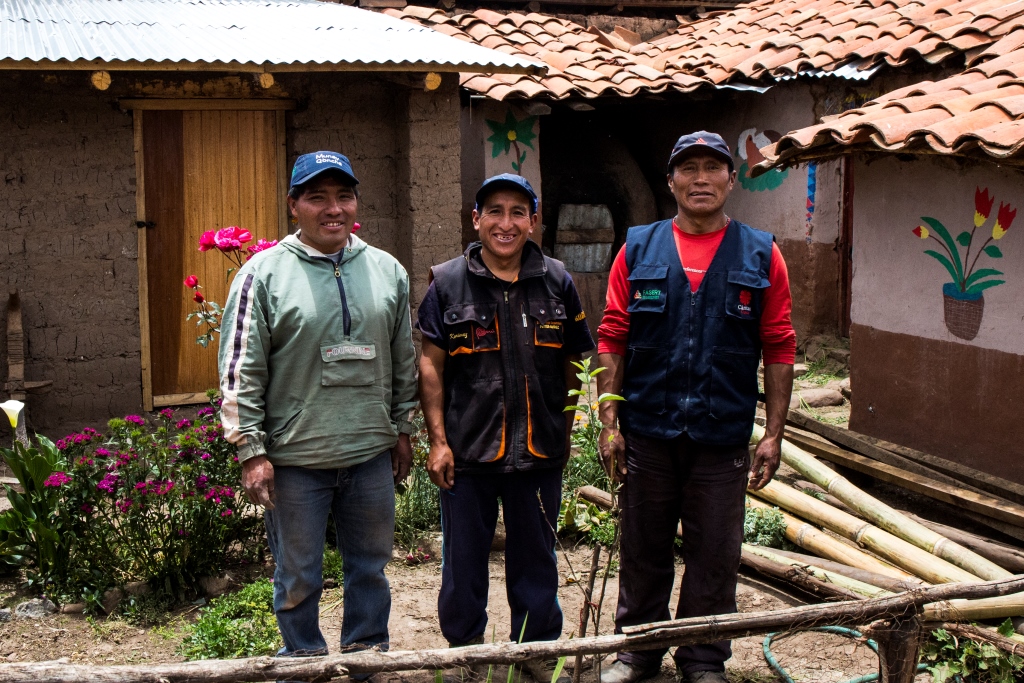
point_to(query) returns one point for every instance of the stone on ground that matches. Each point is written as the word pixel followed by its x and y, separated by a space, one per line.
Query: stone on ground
pixel 844 388
pixel 37 608
pixel 821 398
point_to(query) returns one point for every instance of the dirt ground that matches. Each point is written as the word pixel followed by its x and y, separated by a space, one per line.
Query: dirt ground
pixel 812 657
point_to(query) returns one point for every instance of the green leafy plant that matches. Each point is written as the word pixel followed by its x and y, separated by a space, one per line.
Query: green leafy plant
pixel 765 527
pixel 240 624
pixel 417 500
pixel 333 566
pixel 966 281
pixel 32 532
pixel 963 660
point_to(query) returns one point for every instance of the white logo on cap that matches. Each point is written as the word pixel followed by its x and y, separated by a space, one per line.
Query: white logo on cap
pixel 328 159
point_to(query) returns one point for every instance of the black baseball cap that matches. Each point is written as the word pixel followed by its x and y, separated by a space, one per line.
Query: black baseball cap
pixel 701 141
pixel 309 166
pixel 506 181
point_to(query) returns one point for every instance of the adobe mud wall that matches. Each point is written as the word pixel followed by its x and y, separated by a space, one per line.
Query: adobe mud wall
pixel 68 243
pixel 68 239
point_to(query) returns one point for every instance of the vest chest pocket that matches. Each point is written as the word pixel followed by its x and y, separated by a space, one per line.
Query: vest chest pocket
pixel 471 328
pixel 744 291
pixel 648 283
pixel 548 322
pixel 348 364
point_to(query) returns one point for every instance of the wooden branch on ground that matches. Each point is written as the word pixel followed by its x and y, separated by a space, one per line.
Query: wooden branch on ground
pixel 645 636
pixel 1005 556
pixel 881 581
pixel 980 634
pixel 899 643
pixel 592 494
pixel 958 496
pixel 796 576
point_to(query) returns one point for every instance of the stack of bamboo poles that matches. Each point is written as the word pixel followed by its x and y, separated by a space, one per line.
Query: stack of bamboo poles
pixel 857 545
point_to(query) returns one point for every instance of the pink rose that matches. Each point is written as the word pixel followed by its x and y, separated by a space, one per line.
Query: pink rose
pixel 199 298
pixel 261 245
pixel 207 240
pixel 355 227
pixel 192 282
pixel 231 238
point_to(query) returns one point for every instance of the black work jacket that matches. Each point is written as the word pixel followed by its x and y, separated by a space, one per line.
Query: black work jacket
pixel 504 377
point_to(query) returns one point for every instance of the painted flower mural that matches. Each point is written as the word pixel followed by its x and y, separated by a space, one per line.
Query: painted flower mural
pixel 509 135
pixel 963 298
pixel 748 149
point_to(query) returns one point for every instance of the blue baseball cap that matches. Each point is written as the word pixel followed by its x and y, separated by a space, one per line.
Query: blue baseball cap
pixel 309 166
pixel 701 141
pixel 506 181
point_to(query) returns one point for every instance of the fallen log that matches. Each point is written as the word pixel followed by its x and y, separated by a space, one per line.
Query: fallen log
pixel 796 576
pixel 1005 556
pixel 865 445
pixel 858 588
pixel 819 543
pixel 884 516
pixel 644 636
pixel 951 494
pixel 895 550
pixel 596 496
pixel 879 580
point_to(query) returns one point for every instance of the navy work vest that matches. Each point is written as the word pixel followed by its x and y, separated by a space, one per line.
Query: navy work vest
pixel 691 363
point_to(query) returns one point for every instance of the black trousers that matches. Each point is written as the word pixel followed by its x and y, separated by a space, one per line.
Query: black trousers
pixel 669 481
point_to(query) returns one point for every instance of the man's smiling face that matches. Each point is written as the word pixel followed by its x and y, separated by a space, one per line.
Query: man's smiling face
pixel 701 183
pixel 504 222
pixel 326 212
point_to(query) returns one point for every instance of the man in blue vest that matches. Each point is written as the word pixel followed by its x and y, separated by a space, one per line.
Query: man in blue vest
pixel 694 303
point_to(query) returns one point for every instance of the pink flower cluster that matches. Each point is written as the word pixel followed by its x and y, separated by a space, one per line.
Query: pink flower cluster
pixel 159 488
pixel 134 419
pixel 57 479
pixel 226 239
pixel 216 492
pixel 87 435
pixel 124 505
pixel 261 245
pixel 109 483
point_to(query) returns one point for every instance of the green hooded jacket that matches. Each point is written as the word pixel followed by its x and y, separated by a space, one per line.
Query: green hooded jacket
pixel 317 365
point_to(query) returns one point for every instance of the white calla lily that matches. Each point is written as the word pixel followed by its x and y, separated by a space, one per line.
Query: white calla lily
pixel 13 409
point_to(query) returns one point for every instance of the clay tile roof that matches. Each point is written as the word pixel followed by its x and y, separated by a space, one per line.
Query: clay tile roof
pixel 768 39
pixel 585 62
pixel 977 113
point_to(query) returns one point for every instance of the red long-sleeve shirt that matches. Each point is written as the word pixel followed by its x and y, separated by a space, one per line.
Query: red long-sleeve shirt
pixel 778 340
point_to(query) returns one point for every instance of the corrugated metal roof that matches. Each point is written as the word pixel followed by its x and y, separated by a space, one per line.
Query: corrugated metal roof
pixel 247 35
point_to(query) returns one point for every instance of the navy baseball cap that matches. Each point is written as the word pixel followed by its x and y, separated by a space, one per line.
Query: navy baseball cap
pixel 506 181
pixel 701 141
pixel 309 166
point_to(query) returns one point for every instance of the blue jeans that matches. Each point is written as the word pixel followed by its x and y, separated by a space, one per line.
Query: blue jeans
pixel 362 500
pixel 469 513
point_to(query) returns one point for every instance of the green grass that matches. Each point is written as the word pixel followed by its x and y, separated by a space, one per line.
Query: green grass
pixel 333 565
pixel 417 501
pixel 240 624
pixel 765 527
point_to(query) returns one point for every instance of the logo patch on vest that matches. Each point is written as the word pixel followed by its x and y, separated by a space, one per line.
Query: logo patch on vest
pixel 744 305
pixel 550 326
pixel 580 317
pixel 484 331
pixel 344 351
pixel 458 335
pixel 647 294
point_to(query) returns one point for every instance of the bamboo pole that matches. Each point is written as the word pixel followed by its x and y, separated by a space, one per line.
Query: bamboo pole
pixel 818 542
pixel 890 584
pixel 975 610
pixel 1005 556
pixel 644 636
pixel 901 553
pixel 796 576
pixel 853 585
pixel 884 516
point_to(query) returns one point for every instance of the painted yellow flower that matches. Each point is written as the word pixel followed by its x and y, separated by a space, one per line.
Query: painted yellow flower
pixel 512 135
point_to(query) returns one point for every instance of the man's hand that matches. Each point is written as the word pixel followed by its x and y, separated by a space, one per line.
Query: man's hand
pixel 441 465
pixel 766 461
pixel 258 481
pixel 612 447
pixel 401 458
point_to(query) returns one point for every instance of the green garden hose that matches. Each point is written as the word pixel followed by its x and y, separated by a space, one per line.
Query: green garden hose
pixel 774 665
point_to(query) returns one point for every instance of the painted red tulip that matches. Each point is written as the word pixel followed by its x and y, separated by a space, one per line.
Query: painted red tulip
pixel 1003 220
pixel 191 282
pixel 199 298
pixel 983 202
pixel 207 240
pixel 921 232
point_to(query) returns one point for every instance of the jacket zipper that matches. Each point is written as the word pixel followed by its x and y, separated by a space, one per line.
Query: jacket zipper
pixel 346 317
pixel 510 364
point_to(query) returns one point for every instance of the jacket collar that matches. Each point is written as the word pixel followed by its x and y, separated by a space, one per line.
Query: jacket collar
pixel 531 265
pixel 352 249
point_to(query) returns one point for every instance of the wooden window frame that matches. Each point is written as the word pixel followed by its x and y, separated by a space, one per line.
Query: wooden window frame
pixel 149 401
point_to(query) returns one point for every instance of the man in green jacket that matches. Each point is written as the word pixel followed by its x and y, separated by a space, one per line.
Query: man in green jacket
pixel 318 380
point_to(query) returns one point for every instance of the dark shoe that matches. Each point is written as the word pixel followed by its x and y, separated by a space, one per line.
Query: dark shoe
pixel 623 672
pixel 543 670
pixel 707 677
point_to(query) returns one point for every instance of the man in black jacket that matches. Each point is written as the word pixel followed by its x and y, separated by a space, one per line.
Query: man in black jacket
pixel 500 325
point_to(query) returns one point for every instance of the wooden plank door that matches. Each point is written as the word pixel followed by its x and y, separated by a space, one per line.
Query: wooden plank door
pixel 203 170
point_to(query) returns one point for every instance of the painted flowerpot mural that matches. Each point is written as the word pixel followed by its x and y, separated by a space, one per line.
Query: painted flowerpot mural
pixel 748 150
pixel 964 298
